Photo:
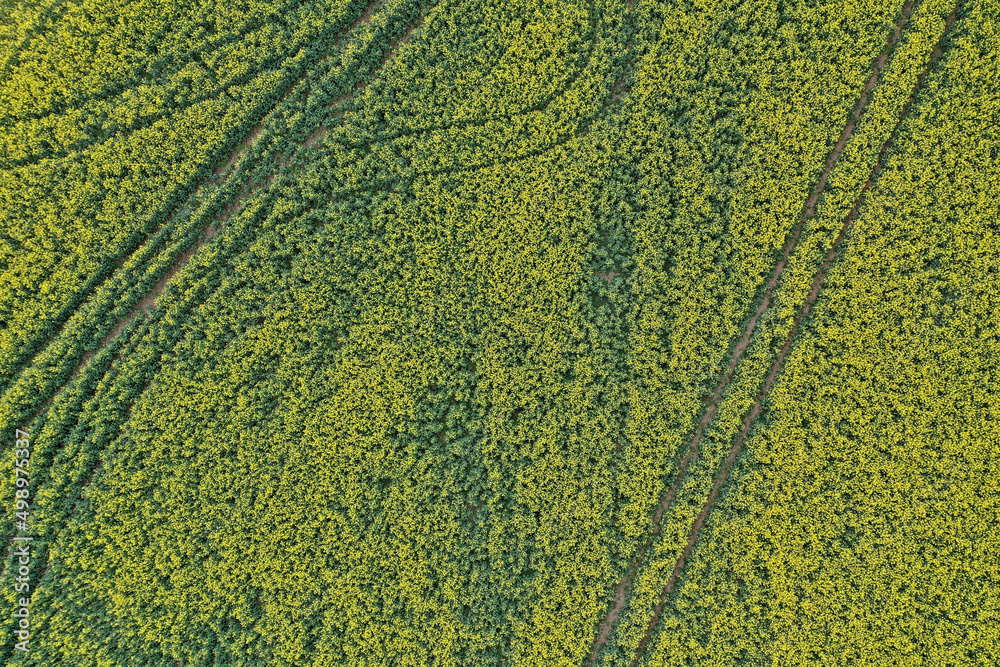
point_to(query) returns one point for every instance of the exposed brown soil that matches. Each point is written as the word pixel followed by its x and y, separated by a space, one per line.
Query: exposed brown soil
pixel 607 277
pixel 220 171
pixel 210 230
pixel 712 405
pixel 474 509
pixel 619 90
pixel 254 135
pixel 229 164
pixel 149 300
pixel 217 174
pixel 346 96
pixel 338 104
pixel 316 136
pixel 234 157
pixel 818 279
pixel 414 24
pixel 234 207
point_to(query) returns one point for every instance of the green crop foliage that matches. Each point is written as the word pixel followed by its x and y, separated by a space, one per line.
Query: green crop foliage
pixel 857 524
pixel 357 333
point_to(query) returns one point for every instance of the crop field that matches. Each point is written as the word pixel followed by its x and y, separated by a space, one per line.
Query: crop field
pixel 526 333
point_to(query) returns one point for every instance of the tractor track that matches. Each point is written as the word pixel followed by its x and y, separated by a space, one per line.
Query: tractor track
pixel 169 212
pixel 365 17
pixel 82 148
pixel 621 591
pixel 114 338
pixel 819 279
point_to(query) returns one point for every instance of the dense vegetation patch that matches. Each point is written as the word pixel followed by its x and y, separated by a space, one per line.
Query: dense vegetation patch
pixel 419 333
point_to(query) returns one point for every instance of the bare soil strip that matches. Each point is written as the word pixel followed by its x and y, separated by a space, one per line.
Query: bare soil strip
pixel 64 317
pixel 394 44
pixel 210 230
pixel 340 105
pixel 818 279
pixel 218 174
pixel 621 590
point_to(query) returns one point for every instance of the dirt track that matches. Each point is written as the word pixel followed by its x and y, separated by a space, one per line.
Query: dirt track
pixel 208 231
pixel 818 279
pixel 211 229
pixel 712 405
pixel 219 173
